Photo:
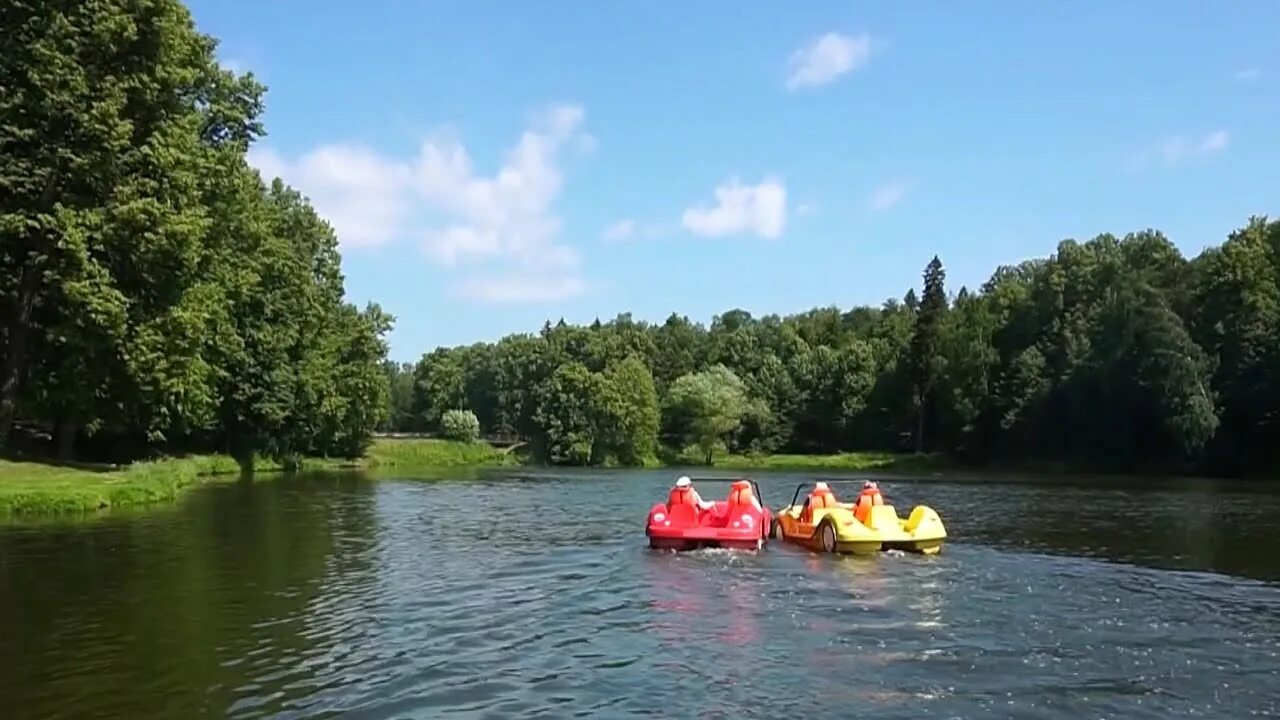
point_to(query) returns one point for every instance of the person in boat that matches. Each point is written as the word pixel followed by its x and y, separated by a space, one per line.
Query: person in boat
pixel 871 491
pixel 869 496
pixel 820 492
pixel 684 484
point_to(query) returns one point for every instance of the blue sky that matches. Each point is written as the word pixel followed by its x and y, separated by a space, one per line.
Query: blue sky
pixel 489 166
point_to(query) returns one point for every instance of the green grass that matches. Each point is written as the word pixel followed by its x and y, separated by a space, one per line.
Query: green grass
pixel 432 453
pixel 28 488
pixel 36 488
pixel 852 462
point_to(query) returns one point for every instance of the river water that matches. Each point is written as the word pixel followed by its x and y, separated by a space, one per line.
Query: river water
pixel 533 595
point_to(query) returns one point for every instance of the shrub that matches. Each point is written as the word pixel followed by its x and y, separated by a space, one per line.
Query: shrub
pixel 460 425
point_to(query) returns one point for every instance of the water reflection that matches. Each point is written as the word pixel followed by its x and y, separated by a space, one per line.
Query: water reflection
pixel 208 595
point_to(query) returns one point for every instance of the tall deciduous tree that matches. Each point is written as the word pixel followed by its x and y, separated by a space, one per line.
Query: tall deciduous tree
pixel 629 412
pixel 709 405
pixel 154 292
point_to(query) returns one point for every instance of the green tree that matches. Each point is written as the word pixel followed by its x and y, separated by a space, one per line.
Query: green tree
pixel 439 385
pixel 629 412
pixel 708 406
pixel 568 414
pixel 925 363
pixel 156 294
pixel 113 113
pixel 1236 300
pixel 400 417
pixel 460 425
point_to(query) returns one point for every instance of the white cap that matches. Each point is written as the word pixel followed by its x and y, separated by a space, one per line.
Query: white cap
pixel 683 482
pixel 820 486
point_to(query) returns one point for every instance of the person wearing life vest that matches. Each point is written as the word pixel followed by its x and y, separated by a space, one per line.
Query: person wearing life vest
pixel 869 496
pixel 819 497
pixel 822 490
pixel 685 485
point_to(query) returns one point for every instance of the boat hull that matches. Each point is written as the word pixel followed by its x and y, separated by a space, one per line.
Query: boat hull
pixel 838 530
pixel 686 544
pixel 725 524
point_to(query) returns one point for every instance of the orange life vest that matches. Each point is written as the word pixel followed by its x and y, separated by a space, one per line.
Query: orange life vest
pixel 680 496
pixel 869 497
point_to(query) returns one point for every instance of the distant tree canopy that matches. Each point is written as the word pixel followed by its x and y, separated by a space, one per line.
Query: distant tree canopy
pixel 155 293
pixel 1113 353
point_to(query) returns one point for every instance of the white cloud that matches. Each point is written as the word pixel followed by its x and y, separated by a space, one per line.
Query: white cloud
pixel 360 193
pixel 1178 149
pixel 463 219
pixel 739 209
pixel 826 59
pixel 626 229
pixel 620 230
pixel 1246 74
pixel 887 195
pixel 1214 142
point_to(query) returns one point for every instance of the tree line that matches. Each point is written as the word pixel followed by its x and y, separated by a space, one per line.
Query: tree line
pixel 1115 353
pixel 156 295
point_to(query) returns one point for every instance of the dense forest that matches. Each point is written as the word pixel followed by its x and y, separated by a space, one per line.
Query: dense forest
pixel 157 295
pixel 1116 353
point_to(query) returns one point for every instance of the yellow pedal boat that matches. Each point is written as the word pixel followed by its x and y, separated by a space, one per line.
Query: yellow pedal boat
pixel 864 527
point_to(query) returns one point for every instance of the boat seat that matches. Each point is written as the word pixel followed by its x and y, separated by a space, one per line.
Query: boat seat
pixel 741 497
pixel 862 510
pixel 818 500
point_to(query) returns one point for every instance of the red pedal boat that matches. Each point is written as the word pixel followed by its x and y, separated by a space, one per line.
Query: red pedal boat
pixel 740 522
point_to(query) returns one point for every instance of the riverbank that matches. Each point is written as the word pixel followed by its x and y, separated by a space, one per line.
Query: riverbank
pixel 33 487
pixel 434 453
pixel 840 462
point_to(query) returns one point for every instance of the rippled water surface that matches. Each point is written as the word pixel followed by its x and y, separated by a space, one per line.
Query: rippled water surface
pixel 534 595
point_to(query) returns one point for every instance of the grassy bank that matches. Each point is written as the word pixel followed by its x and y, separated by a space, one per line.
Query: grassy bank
pixel 841 462
pixel 432 453
pixel 37 488
pixel 30 488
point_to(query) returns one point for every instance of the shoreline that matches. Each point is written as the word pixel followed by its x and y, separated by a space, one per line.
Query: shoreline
pixel 45 488
pixel 36 487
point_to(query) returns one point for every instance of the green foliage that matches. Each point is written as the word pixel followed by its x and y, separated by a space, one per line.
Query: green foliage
pixel 400 415
pixel 568 414
pixel 925 360
pixel 432 453
pixel 629 416
pixel 154 293
pixel 708 405
pixel 460 425
pixel 1114 353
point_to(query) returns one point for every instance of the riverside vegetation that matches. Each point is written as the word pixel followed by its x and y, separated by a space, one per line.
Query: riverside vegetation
pixel 158 297
pixel 1114 354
